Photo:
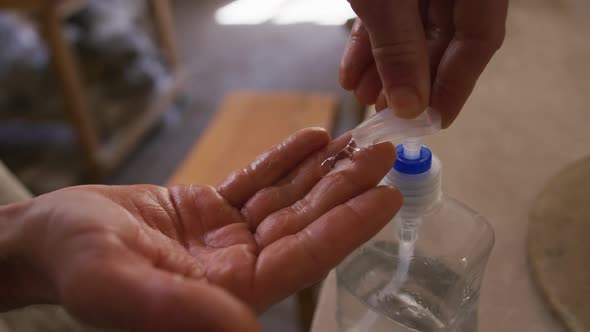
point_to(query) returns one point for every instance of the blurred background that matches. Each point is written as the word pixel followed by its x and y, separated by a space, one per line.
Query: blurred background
pixel 126 61
pixel 128 91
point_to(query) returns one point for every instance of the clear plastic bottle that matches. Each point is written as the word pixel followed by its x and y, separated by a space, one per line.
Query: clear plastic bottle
pixel 423 271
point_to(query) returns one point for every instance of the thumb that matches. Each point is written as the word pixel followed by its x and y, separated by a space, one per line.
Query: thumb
pixel 400 52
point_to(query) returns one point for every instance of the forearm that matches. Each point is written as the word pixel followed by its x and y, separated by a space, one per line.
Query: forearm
pixel 21 283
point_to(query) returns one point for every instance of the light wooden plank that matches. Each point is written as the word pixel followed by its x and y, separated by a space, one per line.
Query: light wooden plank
pixel 246 125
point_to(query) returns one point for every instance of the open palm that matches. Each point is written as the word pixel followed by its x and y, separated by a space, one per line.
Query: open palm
pixel 149 258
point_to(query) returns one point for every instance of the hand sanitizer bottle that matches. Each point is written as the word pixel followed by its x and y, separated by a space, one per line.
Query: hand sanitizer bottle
pixel 423 271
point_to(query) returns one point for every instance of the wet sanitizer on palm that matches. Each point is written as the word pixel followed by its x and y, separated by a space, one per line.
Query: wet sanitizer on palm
pixel 423 271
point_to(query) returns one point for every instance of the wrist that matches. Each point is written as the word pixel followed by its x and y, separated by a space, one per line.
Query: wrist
pixel 21 281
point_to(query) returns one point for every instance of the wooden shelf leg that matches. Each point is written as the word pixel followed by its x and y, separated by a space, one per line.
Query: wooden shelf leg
pixel 162 14
pixel 68 74
pixel 305 308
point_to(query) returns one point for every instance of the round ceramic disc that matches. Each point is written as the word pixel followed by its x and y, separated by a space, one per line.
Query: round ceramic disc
pixel 559 244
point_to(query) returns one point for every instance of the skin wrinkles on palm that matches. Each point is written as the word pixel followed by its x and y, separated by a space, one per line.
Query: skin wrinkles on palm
pixel 269 230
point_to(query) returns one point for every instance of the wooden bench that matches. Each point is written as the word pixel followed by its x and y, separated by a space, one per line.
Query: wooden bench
pixel 247 124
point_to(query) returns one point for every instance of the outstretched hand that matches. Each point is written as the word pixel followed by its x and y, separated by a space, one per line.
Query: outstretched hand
pixel 191 257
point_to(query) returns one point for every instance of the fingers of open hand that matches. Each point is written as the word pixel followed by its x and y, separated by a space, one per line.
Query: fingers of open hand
pixel 291 188
pixel 301 259
pixel 272 165
pixel 349 179
pixel 479 33
pixel 130 294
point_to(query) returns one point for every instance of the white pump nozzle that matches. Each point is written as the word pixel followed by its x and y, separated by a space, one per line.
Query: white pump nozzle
pixel 412 147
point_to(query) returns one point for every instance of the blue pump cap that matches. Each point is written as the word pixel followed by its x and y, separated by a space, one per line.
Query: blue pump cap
pixel 416 166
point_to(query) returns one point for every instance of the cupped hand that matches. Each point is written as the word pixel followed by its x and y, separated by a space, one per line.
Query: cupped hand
pixel 412 54
pixel 193 257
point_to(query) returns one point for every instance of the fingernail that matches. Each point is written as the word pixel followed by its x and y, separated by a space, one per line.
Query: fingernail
pixel 405 102
pixel 357 26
